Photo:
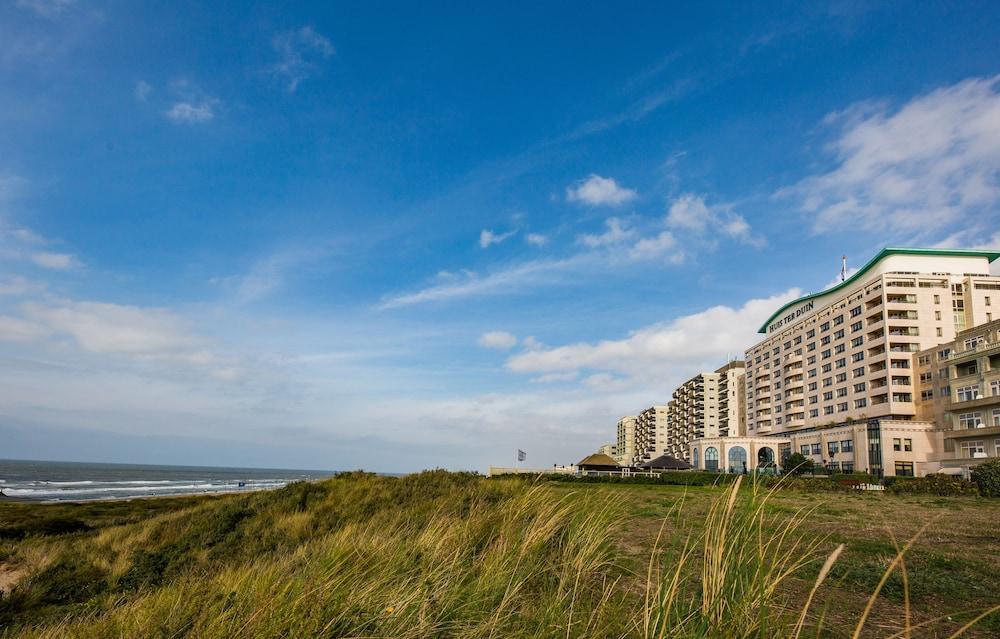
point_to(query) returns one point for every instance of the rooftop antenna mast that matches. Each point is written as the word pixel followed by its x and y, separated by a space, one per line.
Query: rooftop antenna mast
pixel 843 268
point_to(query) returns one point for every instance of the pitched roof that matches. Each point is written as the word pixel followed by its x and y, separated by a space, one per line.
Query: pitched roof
pixel 668 463
pixel 597 459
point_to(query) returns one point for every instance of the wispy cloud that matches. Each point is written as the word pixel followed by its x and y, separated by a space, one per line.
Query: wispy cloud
pixel 916 171
pixel 142 90
pixel 536 239
pixel 618 231
pixel 46 8
pixel 192 112
pixel 57 261
pixel 599 191
pixel 488 238
pixel 299 54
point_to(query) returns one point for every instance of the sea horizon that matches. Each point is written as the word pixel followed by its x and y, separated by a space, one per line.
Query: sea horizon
pixel 58 480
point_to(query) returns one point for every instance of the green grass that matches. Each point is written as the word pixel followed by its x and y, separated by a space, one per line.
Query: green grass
pixel 457 555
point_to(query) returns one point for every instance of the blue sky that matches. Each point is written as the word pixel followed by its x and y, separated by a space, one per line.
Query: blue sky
pixel 397 237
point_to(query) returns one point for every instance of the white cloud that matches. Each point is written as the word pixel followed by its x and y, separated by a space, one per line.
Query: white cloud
pixel 536 239
pixel 142 90
pixel 488 238
pixel 499 340
pixel 192 112
pixel 599 191
pixel 617 233
pixel 13 329
pixel 918 171
pixel 56 261
pixel 16 285
pixel 553 378
pixel 689 212
pixel 299 54
pixel 663 245
pixel 682 345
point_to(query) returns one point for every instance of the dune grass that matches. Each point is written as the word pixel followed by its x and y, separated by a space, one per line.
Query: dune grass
pixel 438 555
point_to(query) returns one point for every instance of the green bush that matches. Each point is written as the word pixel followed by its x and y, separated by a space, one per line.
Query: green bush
pixel 797 463
pixel 943 485
pixel 987 477
pixel 44 527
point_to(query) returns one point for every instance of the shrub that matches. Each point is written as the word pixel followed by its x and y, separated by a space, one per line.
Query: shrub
pixel 797 463
pixel 987 477
pixel 943 485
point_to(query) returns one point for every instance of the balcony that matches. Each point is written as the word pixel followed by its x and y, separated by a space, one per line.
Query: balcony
pixel 980 349
pixel 903 347
pixel 904 331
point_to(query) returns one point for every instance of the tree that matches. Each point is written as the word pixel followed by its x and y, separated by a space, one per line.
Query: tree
pixel 797 463
pixel 987 476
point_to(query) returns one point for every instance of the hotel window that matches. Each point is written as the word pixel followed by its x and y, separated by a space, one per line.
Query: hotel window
pixel 827 368
pixel 897 444
pixel 860 403
pixel 827 396
pixel 812 386
pixel 945 391
pixel 827 381
pixel 842 407
pixel 944 353
pixel 926 377
pixel 859 372
pixel 811 360
pixel 908 445
pixel 995 387
pixel 816 449
pixel 837 321
pixel 968 393
pixel 811 347
pixel 825 326
pixel 904 469
pixel 828 410
pixel 839 334
pixel 943 373
pixel 811 333
pixel 859 388
pixel 826 354
pixel 847 445
pixel 973 449
pixel 812 372
pixel 788 344
pixel 857 326
pixel 996 416
pixel 841 377
pixel 847 467
pixel 777 349
pixel 798 340
pixel 841 392
pixel 813 399
pixel 857 341
pixel 857 357
pixel 926 396
pixel 855 311
pixel 937 299
pixel 833 448
pixel 825 340
pixel 757 360
pixel 987 300
pixel 842 362
pixel 814 412
pixel 839 348
pixel 940 333
pixel 804 448
pixel 970 420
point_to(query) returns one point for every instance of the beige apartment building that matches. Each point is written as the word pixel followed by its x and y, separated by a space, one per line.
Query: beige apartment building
pixel 707 405
pixel 848 353
pixel 607 449
pixel 959 385
pixel 625 443
pixel 650 434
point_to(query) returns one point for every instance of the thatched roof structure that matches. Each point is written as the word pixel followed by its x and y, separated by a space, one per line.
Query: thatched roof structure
pixel 597 461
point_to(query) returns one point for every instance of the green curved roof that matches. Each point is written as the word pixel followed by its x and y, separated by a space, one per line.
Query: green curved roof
pixel 886 252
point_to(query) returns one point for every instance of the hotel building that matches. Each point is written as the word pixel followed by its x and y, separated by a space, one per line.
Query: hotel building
pixel 847 353
pixel 959 386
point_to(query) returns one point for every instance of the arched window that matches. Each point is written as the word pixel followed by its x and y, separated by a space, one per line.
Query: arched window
pixel 694 457
pixel 712 458
pixel 737 459
pixel 765 457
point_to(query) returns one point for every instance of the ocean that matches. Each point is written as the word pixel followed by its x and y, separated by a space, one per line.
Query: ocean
pixel 73 481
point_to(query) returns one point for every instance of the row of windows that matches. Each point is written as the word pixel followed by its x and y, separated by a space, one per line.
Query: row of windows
pixel 832 447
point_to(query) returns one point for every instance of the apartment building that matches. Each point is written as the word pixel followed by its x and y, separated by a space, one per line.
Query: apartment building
pixel 625 442
pixel 607 449
pixel 650 434
pixel 707 405
pixel 959 384
pixel 847 353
